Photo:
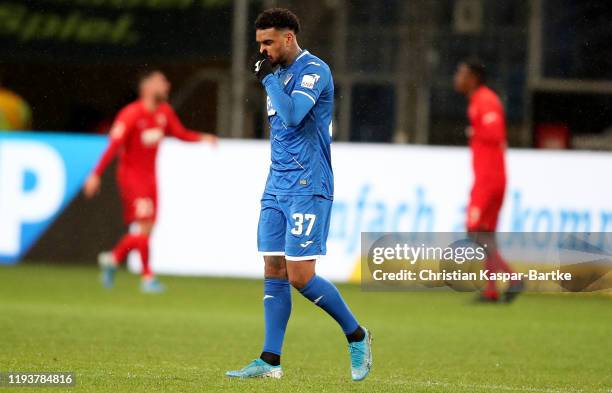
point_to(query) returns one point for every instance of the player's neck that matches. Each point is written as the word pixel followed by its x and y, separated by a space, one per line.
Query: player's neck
pixel 473 91
pixel 295 52
pixel 150 104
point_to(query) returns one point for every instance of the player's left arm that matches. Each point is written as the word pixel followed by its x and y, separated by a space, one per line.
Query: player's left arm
pixel 292 108
pixel 491 125
pixel 178 130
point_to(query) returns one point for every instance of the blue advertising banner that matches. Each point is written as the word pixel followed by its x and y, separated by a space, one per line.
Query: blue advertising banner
pixel 40 173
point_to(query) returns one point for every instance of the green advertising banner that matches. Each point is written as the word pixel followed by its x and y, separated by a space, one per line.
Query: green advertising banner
pixel 96 31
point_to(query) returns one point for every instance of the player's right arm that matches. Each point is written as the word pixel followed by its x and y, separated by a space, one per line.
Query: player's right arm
pixel 117 137
pixel 294 107
pixel 291 108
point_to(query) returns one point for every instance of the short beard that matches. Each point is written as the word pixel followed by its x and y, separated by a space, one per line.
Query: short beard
pixel 159 98
pixel 280 62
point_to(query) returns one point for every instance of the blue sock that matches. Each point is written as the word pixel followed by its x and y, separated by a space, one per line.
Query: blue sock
pixel 277 308
pixel 325 295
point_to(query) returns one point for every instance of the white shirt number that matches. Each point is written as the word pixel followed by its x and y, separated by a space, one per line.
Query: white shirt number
pixel 299 219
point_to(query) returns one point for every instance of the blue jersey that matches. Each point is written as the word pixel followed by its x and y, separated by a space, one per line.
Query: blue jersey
pixel 300 106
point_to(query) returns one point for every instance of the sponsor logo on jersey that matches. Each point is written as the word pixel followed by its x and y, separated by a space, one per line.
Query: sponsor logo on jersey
pixel 287 79
pixel 151 136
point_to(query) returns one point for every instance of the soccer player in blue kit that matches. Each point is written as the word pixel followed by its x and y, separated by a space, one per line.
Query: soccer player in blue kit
pixel 297 200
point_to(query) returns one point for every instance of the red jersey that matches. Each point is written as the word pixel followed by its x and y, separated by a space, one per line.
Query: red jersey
pixel 488 139
pixel 135 135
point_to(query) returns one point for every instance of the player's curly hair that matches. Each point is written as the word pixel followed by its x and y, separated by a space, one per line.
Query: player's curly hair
pixel 477 68
pixel 278 18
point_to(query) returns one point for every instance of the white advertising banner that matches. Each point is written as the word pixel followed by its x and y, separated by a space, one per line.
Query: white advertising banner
pixel 209 200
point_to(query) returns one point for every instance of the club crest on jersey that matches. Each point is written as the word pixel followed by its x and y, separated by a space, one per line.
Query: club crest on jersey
pixel 161 120
pixel 309 80
pixel 287 79
pixel 151 136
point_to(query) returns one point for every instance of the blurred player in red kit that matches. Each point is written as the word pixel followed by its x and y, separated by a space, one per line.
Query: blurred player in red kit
pixel 487 139
pixel 135 136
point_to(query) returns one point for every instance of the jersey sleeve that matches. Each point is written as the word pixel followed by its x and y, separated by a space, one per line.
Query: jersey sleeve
pixel 178 130
pixel 312 81
pixel 293 107
pixel 489 127
pixel 120 129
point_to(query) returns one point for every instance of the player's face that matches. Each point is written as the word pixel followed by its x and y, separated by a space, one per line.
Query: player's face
pixel 276 43
pixel 463 79
pixel 156 86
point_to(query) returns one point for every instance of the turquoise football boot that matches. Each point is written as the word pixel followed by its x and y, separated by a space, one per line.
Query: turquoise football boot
pixel 151 285
pixel 361 357
pixel 257 369
pixel 108 268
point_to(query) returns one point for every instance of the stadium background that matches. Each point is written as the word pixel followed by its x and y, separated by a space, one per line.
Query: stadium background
pixel 399 145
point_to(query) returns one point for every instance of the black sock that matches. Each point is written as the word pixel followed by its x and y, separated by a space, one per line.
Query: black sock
pixel 357 335
pixel 271 358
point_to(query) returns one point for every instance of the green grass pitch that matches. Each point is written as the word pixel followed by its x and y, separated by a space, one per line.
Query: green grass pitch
pixel 58 318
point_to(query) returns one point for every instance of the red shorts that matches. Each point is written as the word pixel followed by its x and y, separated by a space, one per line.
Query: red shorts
pixel 139 200
pixel 483 209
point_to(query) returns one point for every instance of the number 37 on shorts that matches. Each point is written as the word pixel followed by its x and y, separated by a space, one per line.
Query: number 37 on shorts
pixel 295 226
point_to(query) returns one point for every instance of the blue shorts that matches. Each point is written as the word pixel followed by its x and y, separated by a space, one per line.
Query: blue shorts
pixel 294 226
